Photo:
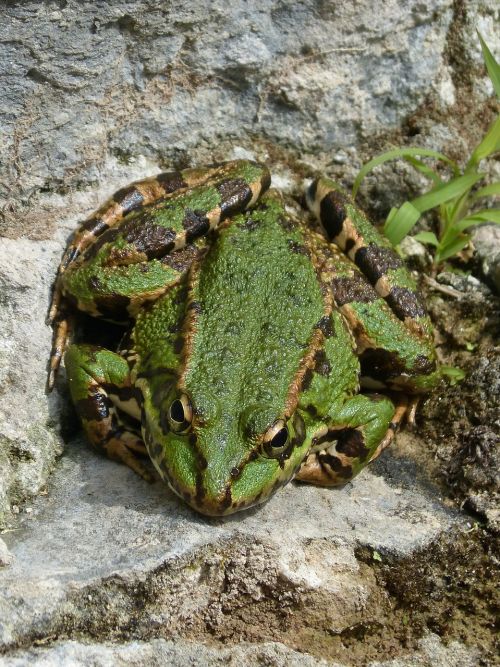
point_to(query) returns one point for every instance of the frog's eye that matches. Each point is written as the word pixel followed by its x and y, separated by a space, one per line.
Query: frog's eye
pixel 276 439
pixel 180 414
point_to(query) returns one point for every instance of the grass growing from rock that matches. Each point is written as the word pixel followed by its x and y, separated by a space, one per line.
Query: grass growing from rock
pixel 455 200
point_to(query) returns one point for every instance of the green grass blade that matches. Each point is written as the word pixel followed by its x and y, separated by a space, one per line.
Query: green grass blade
pixel 427 237
pixel 492 189
pixel 455 188
pixel 451 248
pixel 476 218
pixel 424 169
pixel 395 154
pixel 489 144
pixel 401 222
pixel 491 65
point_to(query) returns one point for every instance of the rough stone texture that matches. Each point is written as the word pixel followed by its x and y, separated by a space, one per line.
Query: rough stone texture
pixel 487 244
pixel 95 95
pixel 177 654
pixel 107 556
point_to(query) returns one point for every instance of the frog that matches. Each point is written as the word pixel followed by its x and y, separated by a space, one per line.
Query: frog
pixel 261 344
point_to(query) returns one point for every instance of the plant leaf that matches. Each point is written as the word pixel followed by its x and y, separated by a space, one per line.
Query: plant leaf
pixel 455 188
pixel 453 373
pixel 424 169
pixel 491 65
pixel 476 218
pixel 488 190
pixel 427 237
pixel 489 144
pixel 395 154
pixel 451 248
pixel 401 222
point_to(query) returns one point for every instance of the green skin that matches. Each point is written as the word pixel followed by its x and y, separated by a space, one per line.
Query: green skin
pixel 243 366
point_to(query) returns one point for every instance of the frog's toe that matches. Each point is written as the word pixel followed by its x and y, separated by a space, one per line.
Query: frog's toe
pixel 124 448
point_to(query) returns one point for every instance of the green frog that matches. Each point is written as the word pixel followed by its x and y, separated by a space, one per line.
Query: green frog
pixel 262 341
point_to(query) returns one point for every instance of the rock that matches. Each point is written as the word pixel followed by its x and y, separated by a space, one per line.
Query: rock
pixel 415 253
pixel 6 557
pixel 158 652
pixel 105 554
pixel 486 240
pixel 86 82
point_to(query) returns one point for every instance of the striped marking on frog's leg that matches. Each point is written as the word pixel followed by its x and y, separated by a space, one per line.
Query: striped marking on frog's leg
pixel 341 450
pixel 100 387
pixel 130 198
pixel 347 226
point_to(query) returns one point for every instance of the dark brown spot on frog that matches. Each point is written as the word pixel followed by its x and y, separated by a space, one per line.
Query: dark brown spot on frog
pixel 95 225
pixel 300 430
pixel 374 261
pixel 345 472
pixel 405 303
pixel 148 238
pixel 307 379
pixel 333 213
pixel 180 260
pixel 321 364
pixel 178 345
pixel 235 195
pixel 250 224
pixel 94 283
pixel 297 248
pixel 195 306
pixel 235 472
pixel 195 223
pixel 423 365
pixel 287 223
pixel 352 443
pixel 181 296
pixel 108 236
pixel 325 325
pixel 349 245
pixel 311 410
pixel 94 408
pixel 171 181
pixel 355 288
pixel 227 500
pixel 125 394
pixel 129 199
pixel 200 489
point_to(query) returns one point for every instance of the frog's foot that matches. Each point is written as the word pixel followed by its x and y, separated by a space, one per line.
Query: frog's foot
pixel 123 446
pixel 62 326
pixel 102 393
pixel 403 410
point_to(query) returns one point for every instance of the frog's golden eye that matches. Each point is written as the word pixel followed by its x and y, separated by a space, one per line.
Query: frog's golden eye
pixel 276 439
pixel 180 414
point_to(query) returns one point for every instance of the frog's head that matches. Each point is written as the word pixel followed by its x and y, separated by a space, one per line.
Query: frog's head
pixel 224 458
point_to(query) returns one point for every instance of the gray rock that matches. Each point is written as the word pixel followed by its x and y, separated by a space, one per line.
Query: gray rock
pixel 84 82
pixel 158 652
pixel 104 549
pixel 486 240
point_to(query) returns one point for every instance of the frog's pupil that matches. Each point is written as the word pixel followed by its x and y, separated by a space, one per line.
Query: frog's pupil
pixel 280 438
pixel 177 411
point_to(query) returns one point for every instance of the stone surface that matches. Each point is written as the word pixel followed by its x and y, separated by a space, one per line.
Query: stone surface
pixel 159 652
pixel 486 241
pixel 104 547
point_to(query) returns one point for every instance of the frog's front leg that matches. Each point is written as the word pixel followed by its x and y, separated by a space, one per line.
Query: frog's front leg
pixel 100 385
pixel 362 428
